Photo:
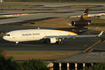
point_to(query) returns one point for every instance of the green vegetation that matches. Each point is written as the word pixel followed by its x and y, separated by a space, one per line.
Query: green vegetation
pixel 34 64
pixel 31 8
pixel 54 0
pixel 0 51
pixel 97 24
pixel 45 55
pixel 23 9
pixel 3 17
pixel 78 6
pixel 38 52
pixel 100 66
pixel 7 63
pixel 62 22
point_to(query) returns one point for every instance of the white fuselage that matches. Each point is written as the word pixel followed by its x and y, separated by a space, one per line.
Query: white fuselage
pixel 33 34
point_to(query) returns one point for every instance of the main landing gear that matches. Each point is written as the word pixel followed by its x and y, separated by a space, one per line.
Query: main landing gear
pixel 59 41
pixel 17 43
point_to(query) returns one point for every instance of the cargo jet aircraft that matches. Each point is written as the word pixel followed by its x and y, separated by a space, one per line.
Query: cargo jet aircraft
pixel 53 35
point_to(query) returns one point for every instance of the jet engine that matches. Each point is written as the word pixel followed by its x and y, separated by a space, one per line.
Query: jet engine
pixel 52 40
pixel 81 23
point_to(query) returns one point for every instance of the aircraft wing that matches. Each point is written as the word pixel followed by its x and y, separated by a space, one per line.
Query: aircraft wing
pixel 74 36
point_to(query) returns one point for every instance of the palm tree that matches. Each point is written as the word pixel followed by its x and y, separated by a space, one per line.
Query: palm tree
pixel 8 63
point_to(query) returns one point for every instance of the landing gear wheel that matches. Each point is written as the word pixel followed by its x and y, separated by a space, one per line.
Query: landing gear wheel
pixel 59 42
pixel 46 41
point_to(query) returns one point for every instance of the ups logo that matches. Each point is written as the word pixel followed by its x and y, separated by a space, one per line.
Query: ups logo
pixel 84 16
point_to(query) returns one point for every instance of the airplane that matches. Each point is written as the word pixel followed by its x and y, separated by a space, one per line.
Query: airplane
pixel 52 35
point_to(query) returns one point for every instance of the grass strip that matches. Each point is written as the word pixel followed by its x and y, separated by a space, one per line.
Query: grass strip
pixel 77 6
pixel 45 55
pixel 17 6
pixel 6 2
pixel 62 22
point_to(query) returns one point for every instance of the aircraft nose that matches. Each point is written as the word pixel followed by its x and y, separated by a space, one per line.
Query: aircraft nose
pixel 4 37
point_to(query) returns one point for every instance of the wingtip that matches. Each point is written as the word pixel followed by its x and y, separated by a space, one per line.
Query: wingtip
pixel 100 33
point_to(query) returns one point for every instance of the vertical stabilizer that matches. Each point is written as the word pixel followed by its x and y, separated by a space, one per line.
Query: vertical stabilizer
pixel 81 22
pixel 84 15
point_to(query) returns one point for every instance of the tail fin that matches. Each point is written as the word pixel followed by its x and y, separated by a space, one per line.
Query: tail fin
pixel 84 15
pixel 81 22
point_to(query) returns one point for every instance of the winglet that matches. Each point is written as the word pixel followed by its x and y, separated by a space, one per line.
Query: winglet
pixel 84 15
pixel 100 33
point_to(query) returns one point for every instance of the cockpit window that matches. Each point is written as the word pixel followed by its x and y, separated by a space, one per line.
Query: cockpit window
pixel 7 34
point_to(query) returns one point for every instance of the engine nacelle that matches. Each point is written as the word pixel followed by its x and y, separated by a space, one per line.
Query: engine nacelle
pixel 52 40
pixel 81 23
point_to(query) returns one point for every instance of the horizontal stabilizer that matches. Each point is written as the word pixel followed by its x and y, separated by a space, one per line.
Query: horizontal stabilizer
pixel 88 29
